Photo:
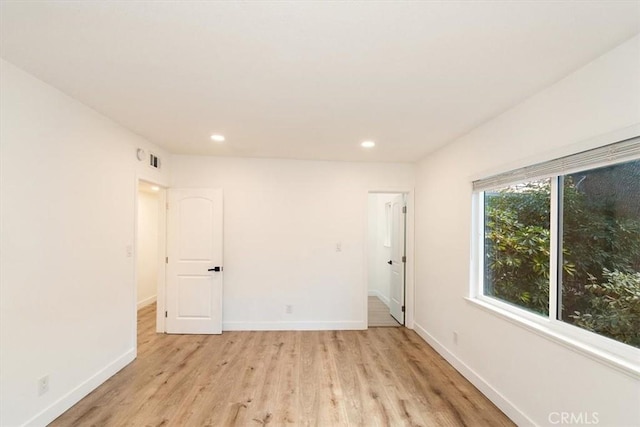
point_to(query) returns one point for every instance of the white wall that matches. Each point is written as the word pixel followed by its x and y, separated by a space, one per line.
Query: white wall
pixel 379 277
pixel 283 220
pixel 68 180
pixel 147 250
pixel 528 375
pixel 67 306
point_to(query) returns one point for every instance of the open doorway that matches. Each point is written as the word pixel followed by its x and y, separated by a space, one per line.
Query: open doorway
pixel 150 254
pixel 386 256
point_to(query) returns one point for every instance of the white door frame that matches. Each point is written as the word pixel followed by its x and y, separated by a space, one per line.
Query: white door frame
pixel 162 253
pixel 409 278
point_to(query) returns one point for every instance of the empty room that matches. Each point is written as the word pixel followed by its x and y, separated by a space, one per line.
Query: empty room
pixel 327 213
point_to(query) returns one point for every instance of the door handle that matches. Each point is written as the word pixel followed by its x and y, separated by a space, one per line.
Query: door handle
pixel 389 262
pixel 215 269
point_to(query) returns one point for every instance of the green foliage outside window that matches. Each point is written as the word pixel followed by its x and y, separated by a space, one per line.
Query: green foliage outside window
pixel 600 273
pixel 517 242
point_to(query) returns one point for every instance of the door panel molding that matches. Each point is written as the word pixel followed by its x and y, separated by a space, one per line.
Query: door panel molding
pixel 194 248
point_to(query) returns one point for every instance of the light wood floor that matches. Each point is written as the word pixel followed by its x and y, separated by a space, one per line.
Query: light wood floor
pixel 379 314
pixel 381 376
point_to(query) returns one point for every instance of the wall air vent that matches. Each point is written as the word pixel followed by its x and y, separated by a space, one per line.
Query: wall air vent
pixel 154 161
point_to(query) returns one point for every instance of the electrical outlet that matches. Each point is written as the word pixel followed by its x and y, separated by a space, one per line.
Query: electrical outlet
pixel 129 251
pixel 43 385
pixel 339 247
pixel 288 309
pixel 455 337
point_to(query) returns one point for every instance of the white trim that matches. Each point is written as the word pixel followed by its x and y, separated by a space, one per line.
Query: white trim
pixel 476 281
pixel 162 265
pixel 145 302
pixel 509 409
pixel 554 242
pixel 61 405
pixel 294 326
pixel 550 330
pixel 410 283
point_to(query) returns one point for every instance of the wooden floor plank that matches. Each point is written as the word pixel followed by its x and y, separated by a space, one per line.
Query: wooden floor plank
pixel 376 377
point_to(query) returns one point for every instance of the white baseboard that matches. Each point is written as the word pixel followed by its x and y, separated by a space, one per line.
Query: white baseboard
pixel 145 302
pixel 58 407
pixel 491 393
pixel 377 293
pixel 294 326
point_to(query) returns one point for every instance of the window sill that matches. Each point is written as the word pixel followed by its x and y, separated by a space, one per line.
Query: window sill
pixel 615 361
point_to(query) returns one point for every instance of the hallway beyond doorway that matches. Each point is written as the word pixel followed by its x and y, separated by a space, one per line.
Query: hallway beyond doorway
pixel 379 314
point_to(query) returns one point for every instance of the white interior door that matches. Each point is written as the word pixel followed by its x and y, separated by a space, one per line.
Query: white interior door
pixel 194 249
pixel 396 300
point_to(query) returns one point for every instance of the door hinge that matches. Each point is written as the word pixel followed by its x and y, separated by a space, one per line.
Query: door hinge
pixel 167 205
pixel 166 260
pixel 166 313
pixel 404 258
pixel 404 209
pixel 403 308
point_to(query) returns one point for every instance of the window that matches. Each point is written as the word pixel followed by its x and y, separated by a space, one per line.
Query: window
pixel 560 242
pixel 600 279
pixel 516 244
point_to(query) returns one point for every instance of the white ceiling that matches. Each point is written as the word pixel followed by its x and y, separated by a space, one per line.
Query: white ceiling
pixel 307 80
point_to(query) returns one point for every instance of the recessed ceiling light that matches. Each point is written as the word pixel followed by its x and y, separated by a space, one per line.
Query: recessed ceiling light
pixel 217 138
pixel 155 188
pixel 368 144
